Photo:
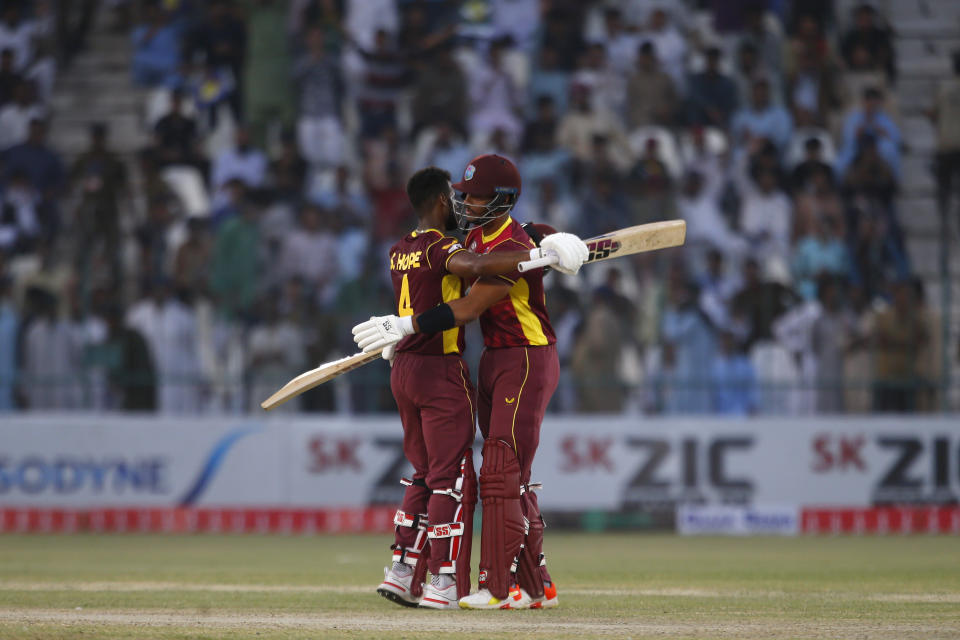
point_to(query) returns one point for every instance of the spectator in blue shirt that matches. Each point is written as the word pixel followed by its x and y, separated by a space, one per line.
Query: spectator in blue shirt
pixel 870 120
pixel 734 380
pixel 549 80
pixel 822 251
pixel 156 49
pixel 761 119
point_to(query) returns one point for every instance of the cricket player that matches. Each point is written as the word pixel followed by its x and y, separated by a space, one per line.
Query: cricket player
pixel 519 372
pixel 435 396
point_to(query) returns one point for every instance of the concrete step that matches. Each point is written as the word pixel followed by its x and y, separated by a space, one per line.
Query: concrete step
pixel 118 121
pixel 108 83
pixel 916 93
pixel 916 172
pixel 105 41
pixel 131 100
pixel 118 62
pixel 934 293
pixel 899 11
pixel 912 49
pixel 925 27
pixel 925 67
pixel 919 215
pixel 73 140
pixel 919 134
pixel 924 252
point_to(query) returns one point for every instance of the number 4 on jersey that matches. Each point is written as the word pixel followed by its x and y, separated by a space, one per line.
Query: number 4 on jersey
pixel 405 308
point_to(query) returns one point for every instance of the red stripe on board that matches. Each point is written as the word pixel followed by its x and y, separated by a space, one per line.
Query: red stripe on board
pixel 196 520
pixel 881 520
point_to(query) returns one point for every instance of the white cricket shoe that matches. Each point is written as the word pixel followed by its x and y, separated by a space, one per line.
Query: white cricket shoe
pixel 517 598
pixel 440 594
pixel 396 586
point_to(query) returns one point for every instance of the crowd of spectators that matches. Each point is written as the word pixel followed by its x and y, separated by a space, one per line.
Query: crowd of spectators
pixel 281 136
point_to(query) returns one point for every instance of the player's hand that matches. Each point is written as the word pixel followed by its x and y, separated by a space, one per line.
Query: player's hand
pixel 389 352
pixel 571 251
pixel 381 331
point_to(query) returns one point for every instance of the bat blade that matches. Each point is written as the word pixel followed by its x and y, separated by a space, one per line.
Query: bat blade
pixel 315 377
pixel 637 239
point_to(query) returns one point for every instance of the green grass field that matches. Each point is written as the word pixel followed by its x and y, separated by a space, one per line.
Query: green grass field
pixel 625 585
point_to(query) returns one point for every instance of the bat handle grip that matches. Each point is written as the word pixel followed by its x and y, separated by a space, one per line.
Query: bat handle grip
pixel 530 265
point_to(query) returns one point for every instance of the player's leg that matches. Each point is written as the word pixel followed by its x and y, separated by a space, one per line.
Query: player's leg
pixel 447 415
pixel 402 581
pixel 503 373
pixel 485 392
pixel 532 574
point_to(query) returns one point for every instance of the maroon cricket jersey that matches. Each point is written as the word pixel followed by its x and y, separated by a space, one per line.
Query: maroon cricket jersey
pixel 418 268
pixel 520 319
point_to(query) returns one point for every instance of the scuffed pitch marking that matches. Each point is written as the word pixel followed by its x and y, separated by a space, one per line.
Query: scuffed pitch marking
pixel 180 586
pixel 948 598
pixel 289 588
pixel 473 622
pixel 667 592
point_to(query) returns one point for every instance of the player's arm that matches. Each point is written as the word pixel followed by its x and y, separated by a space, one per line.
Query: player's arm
pixel 483 295
pixel 470 266
pixel 383 331
pixel 569 250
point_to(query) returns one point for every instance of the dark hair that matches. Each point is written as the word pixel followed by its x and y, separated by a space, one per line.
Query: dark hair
pixel 544 99
pixel 813 144
pixel 648 48
pixel 427 184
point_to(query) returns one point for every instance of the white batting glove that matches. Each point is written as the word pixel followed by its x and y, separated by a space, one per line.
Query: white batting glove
pixel 381 331
pixel 389 352
pixel 571 251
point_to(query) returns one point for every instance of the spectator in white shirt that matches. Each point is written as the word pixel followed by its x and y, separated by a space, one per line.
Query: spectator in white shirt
pixel 765 217
pixel 170 329
pixel 15 117
pixel 16 34
pixel 243 162
pixel 608 87
pixel 670 46
pixel 621 44
pixel 495 97
pixel 19 226
pixel 310 253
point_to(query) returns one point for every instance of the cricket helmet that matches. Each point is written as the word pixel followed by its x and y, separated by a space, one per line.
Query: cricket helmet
pixel 492 176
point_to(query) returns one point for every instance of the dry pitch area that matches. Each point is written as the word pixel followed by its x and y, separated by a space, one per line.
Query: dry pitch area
pixel 614 586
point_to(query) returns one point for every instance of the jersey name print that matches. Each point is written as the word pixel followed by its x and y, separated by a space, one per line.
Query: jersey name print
pixel 421 281
pixel 520 319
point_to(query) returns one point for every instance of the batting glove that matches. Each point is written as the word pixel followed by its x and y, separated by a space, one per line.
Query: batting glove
pixel 571 251
pixel 389 352
pixel 381 331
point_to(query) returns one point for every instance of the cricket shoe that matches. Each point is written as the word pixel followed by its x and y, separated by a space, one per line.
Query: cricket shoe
pixel 440 595
pixel 396 587
pixel 549 599
pixel 516 598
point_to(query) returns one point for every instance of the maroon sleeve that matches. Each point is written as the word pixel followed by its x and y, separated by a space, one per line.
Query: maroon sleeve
pixel 439 252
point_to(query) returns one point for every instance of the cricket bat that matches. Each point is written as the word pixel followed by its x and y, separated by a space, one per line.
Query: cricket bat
pixel 624 242
pixel 315 377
